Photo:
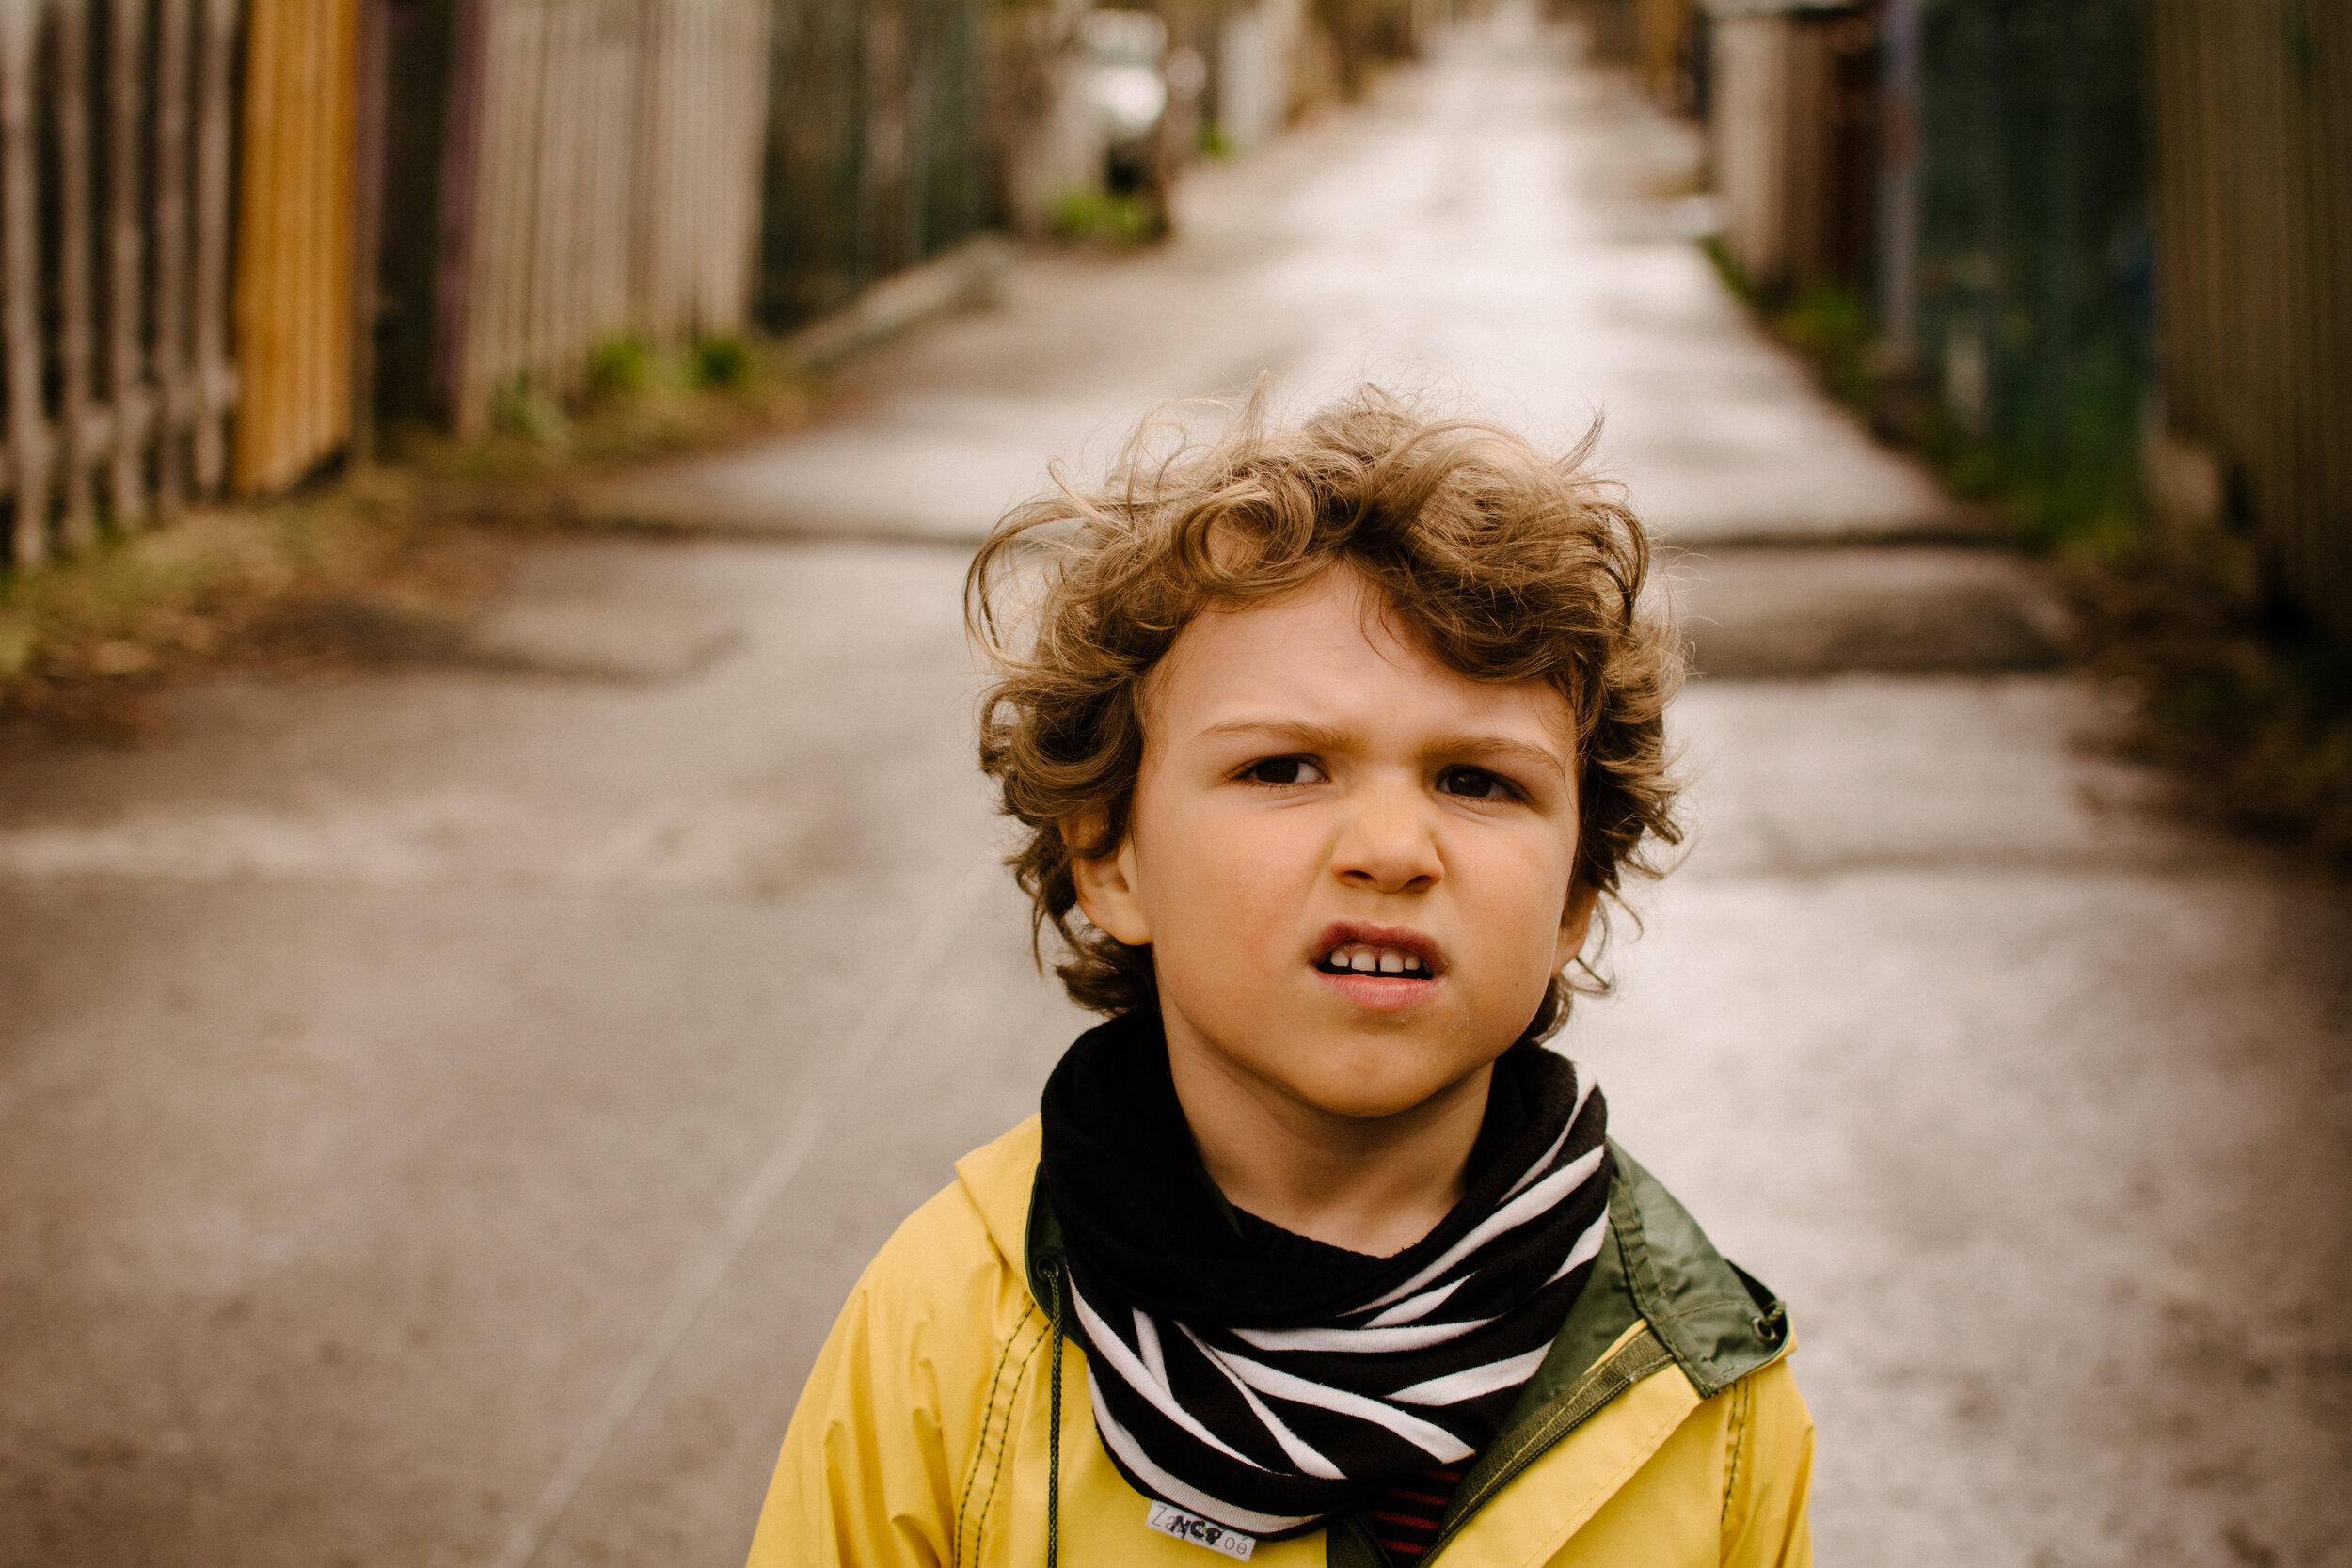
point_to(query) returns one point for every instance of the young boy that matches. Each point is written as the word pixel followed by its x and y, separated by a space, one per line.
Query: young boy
pixel 1325 744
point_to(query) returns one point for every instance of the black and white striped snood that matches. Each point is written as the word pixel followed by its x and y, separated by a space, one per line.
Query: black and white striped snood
pixel 1273 1427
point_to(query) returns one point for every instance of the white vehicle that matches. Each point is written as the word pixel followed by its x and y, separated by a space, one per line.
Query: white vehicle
pixel 1124 84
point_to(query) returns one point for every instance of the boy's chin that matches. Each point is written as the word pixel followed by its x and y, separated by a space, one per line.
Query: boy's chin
pixel 1354 1068
pixel 1377 1084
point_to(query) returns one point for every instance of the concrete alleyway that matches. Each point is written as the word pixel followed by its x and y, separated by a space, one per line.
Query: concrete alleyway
pixel 441 1108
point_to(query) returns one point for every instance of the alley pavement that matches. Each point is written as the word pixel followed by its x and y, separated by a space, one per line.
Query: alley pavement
pixel 441 1108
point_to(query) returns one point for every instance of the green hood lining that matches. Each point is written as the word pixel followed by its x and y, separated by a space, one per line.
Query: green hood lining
pixel 1717 1322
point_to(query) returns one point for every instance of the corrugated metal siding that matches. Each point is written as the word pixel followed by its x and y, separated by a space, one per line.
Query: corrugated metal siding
pixel 2254 146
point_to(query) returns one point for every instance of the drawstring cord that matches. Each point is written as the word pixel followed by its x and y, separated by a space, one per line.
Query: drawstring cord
pixel 1053 1442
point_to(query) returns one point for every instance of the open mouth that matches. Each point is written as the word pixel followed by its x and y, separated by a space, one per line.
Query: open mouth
pixel 1364 957
pixel 1377 966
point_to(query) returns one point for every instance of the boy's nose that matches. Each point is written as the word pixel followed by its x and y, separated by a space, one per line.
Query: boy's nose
pixel 1388 844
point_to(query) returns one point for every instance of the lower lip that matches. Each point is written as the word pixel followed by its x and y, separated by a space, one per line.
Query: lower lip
pixel 1382 993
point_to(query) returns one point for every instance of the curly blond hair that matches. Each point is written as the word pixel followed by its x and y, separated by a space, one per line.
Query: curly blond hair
pixel 1510 564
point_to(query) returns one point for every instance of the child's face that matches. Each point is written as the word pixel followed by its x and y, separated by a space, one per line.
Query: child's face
pixel 1354 866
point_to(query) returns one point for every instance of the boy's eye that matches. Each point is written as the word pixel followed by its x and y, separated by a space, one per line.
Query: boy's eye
pixel 1474 783
pixel 1283 770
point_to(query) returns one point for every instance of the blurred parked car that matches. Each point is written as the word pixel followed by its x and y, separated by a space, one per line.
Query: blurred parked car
pixel 1126 86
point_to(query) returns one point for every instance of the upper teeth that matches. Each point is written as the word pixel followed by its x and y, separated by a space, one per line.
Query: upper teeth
pixel 1365 958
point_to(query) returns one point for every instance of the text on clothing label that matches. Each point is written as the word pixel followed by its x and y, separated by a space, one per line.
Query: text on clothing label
pixel 1200 1533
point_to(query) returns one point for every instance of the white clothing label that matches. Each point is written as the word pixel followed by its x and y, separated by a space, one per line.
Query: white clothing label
pixel 1200 1533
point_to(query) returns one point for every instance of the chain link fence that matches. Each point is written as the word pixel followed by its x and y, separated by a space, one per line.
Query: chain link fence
pixel 879 151
pixel 2032 302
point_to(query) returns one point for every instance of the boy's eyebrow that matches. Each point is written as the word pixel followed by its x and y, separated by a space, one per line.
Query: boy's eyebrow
pixel 1324 737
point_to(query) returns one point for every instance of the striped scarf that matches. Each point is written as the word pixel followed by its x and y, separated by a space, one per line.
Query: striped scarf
pixel 1265 1397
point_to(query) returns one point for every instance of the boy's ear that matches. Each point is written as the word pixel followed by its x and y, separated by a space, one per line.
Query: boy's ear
pixel 1576 923
pixel 1106 885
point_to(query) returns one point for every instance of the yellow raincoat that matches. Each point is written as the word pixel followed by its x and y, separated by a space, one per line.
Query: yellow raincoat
pixel 1663 1430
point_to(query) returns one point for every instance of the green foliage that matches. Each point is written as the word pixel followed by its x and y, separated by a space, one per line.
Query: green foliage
pixel 1734 275
pixel 722 361
pixel 1829 324
pixel 2087 509
pixel 1215 143
pixel 1827 321
pixel 1106 217
pixel 2072 485
pixel 2034 254
pixel 82 637
pixel 620 367
pixel 627 366
pixel 523 408
pixel 2255 723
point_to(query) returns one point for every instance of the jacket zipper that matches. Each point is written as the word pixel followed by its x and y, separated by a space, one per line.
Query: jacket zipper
pixel 1353 1544
pixel 1636 1359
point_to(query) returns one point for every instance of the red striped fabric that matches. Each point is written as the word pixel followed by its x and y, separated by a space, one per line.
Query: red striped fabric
pixel 1406 1514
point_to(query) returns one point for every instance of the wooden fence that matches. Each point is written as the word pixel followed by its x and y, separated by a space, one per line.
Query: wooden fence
pixel 1664 32
pixel 600 180
pixel 2252 111
pixel 1365 34
pixel 1792 85
pixel 295 240
pixel 115 121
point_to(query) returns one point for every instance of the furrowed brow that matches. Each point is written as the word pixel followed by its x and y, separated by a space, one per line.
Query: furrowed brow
pixel 1502 747
pixel 1325 737
pixel 1290 732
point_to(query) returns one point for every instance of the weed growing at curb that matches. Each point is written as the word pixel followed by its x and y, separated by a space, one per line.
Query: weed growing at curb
pixel 352 573
pixel 2248 711
pixel 385 563
pixel 2251 718
pixel 1106 217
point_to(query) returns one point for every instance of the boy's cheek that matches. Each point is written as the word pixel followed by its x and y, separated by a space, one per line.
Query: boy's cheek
pixel 1231 869
pixel 1233 927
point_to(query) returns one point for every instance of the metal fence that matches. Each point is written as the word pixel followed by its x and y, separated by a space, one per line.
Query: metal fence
pixel 2253 143
pixel 878 151
pixel 2131 215
pixel 2032 247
